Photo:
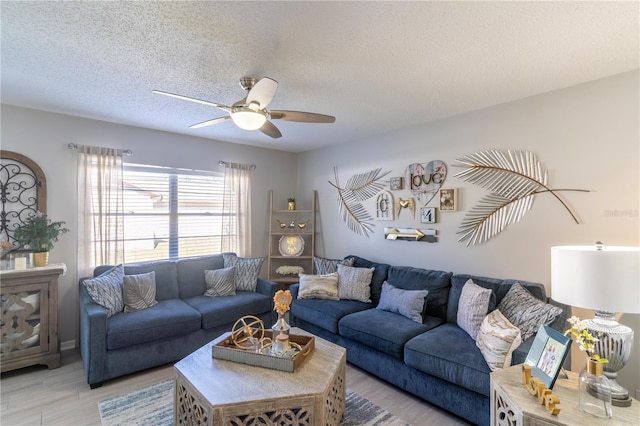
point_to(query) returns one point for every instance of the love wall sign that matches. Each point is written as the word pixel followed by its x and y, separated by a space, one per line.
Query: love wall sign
pixel 425 180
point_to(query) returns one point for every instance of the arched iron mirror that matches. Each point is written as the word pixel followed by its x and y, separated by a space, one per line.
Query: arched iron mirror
pixel 23 192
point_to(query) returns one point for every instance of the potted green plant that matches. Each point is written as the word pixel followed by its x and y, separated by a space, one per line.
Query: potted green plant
pixel 38 234
pixel 291 203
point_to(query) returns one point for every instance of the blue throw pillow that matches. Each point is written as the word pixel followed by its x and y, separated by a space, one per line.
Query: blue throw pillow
pixel 408 303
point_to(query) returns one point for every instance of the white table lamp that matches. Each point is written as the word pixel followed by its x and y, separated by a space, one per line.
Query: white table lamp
pixel 607 280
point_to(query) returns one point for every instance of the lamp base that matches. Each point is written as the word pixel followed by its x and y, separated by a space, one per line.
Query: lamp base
pixel 615 344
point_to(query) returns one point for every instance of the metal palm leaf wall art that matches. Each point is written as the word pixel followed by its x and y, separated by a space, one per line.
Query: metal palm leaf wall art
pixel 514 179
pixel 358 188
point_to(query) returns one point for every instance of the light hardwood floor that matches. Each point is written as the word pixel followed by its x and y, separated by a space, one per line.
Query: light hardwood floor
pixel 38 396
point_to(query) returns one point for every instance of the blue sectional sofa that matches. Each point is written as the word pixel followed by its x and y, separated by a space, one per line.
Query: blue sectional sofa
pixel 435 360
pixel 182 321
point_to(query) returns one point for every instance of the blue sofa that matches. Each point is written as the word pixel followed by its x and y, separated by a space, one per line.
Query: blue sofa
pixel 436 360
pixel 182 321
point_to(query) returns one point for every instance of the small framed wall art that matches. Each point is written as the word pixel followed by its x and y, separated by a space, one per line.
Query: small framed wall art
pixel 395 183
pixel 428 214
pixel 449 200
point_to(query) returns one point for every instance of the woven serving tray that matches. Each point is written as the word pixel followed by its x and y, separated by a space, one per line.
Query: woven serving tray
pixel 223 348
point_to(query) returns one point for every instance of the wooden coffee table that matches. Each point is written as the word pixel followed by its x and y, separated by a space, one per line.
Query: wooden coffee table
pixel 212 391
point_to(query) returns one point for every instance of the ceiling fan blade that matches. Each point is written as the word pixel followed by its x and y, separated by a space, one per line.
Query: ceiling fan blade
pixel 187 98
pixel 262 92
pixel 210 122
pixel 304 117
pixel 270 130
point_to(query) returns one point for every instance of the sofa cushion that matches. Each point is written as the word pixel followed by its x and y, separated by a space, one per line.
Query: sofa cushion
pixel 139 291
pixel 190 272
pixel 449 353
pixel 323 286
pixel 247 270
pixel 354 283
pixel 380 275
pixel 499 288
pixel 329 266
pixel 383 331
pixel 217 311
pixel 106 289
pixel 436 282
pixel 526 312
pixel 166 277
pixel 167 319
pixel 408 303
pixel 497 339
pixel 220 282
pixel 473 307
pixel 326 313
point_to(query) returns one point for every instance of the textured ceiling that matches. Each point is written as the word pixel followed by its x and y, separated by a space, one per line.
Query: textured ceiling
pixel 375 66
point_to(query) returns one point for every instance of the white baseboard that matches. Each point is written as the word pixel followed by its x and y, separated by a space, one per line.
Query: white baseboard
pixel 69 344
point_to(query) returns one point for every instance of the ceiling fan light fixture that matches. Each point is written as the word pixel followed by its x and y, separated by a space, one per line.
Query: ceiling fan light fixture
pixel 248 119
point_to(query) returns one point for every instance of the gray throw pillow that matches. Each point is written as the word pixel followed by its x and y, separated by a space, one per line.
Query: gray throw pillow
pixel 329 266
pixel 526 312
pixel 408 303
pixel 473 307
pixel 318 286
pixel 247 270
pixel 354 283
pixel 139 291
pixel 220 282
pixel 106 290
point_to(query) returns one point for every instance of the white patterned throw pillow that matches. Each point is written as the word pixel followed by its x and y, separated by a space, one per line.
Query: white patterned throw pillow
pixel 220 282
pixel 497 339
pixel 472 307
pixel 247 270
pixel 526 312
pixel 139 291
pixel 106 290
pixel 354 283
pixel 318 286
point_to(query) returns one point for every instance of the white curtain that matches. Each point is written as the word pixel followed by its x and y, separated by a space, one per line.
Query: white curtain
pixel 236 209
pixel 100 208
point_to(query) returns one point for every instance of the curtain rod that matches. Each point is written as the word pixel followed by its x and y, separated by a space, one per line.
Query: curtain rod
pixel 74 147
pixel 224 163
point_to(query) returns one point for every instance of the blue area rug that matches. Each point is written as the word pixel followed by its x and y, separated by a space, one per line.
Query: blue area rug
pixel 153 405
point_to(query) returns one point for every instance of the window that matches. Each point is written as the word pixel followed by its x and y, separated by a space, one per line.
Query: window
pixel 171 213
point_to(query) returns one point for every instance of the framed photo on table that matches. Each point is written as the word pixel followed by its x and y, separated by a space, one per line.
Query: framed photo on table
pixel 547 354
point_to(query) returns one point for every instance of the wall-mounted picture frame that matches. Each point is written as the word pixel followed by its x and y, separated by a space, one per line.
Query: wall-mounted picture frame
pixel 395 183
pixel 547 354
pixel 428 215
pixel 448 199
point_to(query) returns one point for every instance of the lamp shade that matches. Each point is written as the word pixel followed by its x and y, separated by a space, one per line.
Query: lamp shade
pixel 598 278
pixel 248 119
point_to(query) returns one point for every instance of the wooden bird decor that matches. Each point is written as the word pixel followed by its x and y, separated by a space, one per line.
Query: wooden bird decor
pixel 403 204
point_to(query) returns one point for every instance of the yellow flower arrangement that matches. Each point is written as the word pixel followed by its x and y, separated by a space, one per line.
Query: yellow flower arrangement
pixel 282 301
pixel 585 340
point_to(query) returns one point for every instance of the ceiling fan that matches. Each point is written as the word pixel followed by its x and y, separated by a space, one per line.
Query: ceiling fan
pixel 250 113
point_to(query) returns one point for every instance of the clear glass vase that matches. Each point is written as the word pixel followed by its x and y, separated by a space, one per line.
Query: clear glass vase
pixel 594 390
pixel 280 336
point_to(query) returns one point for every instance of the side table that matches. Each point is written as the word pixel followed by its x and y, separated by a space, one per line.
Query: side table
pixel 513 405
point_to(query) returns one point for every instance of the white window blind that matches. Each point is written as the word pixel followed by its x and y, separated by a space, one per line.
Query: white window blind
pixel 171 213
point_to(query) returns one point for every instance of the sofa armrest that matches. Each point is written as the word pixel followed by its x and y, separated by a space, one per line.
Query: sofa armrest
pixel 295 288
pixel 269 289
pixel 93 336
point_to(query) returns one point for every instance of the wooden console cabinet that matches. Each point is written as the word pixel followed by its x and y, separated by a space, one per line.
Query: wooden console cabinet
pixel 29 321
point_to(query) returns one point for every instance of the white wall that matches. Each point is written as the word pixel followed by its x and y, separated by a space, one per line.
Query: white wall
pixel 43 137
pixel 586 136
